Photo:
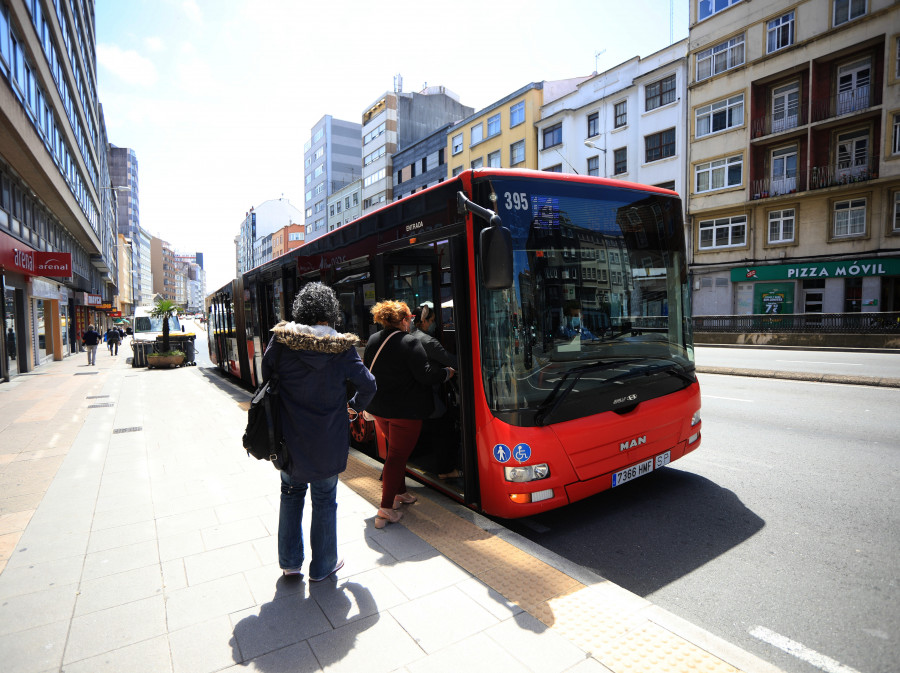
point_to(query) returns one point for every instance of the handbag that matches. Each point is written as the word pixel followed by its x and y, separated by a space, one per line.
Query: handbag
pixel 262 437
pixel 366 415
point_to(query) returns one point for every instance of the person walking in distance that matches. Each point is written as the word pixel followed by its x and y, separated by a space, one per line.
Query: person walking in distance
pixel 404 398
pixel 317 367
pixel 91 339
pixel 112 339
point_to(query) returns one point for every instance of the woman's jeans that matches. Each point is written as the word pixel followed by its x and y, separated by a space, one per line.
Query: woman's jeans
pixel 401 435
pixel 323 526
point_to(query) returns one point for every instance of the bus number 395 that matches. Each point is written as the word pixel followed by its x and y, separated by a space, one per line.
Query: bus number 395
pixel 516 200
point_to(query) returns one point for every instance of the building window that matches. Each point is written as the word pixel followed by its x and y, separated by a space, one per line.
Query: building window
pixel 554 169
pixel 593 166
pixel 476 134
pixel 847 10
pixel 780 33
pixel 517 153
pixel 853 86
pixel 355 198
pixel 516 114
pixel 478 163
pixel 720 116
pixel 666 185
pixel 456 171
pixel 493 125
pixel 896 212
pixel 441 157
pixel 784 171
pixel 721 57
pixel 494 159
pixel 660 93
pixel 593 128
pixel 553 135
pixel 457 143
pixel 781 226
pixel 725 232
pixel 660 145
pixel 849 218
pixel 706 8
pixel 853 154
pixel 424 165
pixel 718 174
pixel 621 110
pixel 620 161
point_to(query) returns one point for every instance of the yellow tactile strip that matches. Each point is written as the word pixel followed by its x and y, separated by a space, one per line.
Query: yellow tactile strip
pixel 599 621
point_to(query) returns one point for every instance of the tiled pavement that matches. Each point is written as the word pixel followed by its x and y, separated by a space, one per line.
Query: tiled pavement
pixel 137 536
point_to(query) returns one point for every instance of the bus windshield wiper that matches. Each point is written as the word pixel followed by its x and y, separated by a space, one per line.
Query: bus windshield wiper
pixel 671 368
pixel 557 395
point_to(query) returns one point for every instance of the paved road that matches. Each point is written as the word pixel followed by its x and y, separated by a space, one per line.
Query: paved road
pixel 785 521
pixel 816 361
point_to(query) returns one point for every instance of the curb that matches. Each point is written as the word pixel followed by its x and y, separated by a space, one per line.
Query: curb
pixel 803 376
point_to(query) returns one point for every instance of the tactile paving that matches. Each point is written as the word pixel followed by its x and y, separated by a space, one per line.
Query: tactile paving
pixel 604 623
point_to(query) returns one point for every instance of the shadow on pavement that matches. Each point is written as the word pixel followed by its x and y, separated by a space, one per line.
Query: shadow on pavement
pixel 647 533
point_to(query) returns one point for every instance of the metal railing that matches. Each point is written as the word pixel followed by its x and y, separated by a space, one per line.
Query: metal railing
pixel 763 126
pixel 763 188
pixel 845 102
pixel 828 323
pixel 831 176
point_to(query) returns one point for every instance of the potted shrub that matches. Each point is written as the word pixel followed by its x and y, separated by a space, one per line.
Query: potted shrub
pixel 167 357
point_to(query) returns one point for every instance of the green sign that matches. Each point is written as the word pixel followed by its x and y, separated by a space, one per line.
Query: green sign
pixel 852 269
pixel 773 298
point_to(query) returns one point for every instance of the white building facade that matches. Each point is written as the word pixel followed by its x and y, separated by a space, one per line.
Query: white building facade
pixel 253 245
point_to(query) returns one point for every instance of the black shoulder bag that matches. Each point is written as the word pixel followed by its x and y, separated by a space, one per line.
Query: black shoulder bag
pixel 262 437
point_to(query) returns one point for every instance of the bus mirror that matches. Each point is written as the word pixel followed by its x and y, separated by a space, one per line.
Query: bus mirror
pixel 496 258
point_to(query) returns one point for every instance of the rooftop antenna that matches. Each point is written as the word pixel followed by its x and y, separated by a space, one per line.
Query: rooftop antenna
pixel 398 83
pixel 597 55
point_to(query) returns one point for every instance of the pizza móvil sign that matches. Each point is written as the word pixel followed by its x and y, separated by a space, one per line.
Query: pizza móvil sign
pixel 853 269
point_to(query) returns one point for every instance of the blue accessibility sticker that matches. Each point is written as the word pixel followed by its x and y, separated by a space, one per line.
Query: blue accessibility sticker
pixel 522 452
pixel 501 453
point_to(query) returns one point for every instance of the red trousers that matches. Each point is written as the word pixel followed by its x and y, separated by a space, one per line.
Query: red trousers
pixel 401 435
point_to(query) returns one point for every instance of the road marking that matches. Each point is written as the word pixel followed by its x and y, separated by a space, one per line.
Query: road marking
pixel 733 399
pixel 800 651
pixel 813 362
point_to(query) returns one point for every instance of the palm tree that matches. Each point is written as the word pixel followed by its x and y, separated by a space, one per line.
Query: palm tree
pixel 163 309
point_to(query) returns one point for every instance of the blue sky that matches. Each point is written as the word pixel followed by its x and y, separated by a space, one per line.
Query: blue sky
pixel 217 97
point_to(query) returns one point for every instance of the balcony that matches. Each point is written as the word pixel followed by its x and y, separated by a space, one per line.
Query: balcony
pixel 764 126
pixel 764 188
pixel 845 102
pixel 821 177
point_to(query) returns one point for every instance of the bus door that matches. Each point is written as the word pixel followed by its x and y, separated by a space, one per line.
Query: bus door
pixel 426 273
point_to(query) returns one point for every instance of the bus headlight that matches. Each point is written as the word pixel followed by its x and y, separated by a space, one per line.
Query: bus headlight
pixel 694 421
pixel 527 472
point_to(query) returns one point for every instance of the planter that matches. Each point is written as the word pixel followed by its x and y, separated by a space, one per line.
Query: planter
pixel 156 360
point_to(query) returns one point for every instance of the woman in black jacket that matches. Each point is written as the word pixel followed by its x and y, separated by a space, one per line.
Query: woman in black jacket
pixel 403 399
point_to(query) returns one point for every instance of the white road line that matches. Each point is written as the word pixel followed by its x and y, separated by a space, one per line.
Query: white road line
pixel 800 651
pixel 733 399
pixel 813 362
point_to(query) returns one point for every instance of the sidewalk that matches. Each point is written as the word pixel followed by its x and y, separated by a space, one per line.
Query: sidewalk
pixel 136 535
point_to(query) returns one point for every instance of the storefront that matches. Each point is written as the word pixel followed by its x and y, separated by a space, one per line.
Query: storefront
pixel 35 306
pixel 854 286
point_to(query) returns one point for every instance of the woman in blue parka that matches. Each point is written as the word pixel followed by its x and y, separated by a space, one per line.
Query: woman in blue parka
pixel 315 364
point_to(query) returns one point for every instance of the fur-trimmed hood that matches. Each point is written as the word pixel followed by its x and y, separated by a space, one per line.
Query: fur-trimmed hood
pixel 313 338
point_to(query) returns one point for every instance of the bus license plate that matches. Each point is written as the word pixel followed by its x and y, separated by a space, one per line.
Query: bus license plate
pixel 641 469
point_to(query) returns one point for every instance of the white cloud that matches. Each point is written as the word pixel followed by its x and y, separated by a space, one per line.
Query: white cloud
pixel 192 10
pixel 154 43
pixel 129 66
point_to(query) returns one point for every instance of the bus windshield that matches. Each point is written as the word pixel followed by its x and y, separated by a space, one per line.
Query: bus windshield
pixel 598 317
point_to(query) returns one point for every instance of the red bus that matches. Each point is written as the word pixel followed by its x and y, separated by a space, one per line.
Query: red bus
pixel 565 299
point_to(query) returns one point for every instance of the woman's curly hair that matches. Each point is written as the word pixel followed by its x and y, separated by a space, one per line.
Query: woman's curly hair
pixel 315 303
pixel 390 312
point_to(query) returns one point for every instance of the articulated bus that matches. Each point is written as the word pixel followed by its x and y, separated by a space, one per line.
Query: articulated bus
pixel 565 299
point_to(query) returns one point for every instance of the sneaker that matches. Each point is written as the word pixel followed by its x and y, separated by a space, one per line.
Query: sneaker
pixel 340 564
pixel 292 573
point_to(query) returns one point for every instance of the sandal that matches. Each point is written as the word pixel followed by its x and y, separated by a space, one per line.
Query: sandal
pixel 404 499
pixel 384 516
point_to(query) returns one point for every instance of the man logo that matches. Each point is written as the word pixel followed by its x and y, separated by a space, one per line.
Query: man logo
pixel 637 441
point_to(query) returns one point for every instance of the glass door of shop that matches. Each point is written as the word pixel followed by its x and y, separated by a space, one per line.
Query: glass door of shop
pixel 11 334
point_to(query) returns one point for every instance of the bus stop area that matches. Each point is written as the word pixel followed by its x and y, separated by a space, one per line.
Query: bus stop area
pixel 137 535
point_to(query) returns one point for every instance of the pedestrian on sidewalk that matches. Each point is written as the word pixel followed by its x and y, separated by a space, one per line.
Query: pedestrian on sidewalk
pixel 112 340
pixel 403 400
pixel 91 339
pixel 317 368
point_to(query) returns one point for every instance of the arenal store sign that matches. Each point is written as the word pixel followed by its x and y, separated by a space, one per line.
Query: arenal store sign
pixel 19 257
pixel 852 269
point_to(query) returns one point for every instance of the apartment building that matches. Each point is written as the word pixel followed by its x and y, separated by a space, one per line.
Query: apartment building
pixel 287 238
pixel 164 264
pixel 331 160
pixel 421 164
pixel 395 120
pixel 344 205
pixel 626 123
pixel 503 134
pixel 253 244
pixel 794 156
pixel 57 220
pixel 123 173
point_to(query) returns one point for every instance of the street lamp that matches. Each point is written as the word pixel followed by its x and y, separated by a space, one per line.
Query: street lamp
pixel 588 143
